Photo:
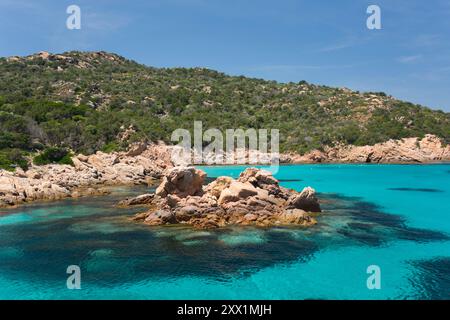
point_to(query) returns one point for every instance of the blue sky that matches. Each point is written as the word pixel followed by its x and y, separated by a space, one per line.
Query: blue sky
pixel 323 42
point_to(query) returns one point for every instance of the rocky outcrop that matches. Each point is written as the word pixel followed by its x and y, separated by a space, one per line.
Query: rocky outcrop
pixel 182 182
pixel 408 150
pixel 30 186
pixel 255 198
pixel 305 200
pixel 142 164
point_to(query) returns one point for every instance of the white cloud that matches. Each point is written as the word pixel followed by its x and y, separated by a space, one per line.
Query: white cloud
pixel 335 47
pixel 410 59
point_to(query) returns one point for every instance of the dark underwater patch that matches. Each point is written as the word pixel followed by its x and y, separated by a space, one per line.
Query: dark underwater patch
pixel 372 226
pixel 416 189
pixel 420 235
pixel 432 278
pixel 140 254
pixel 48 247
pixel 361 226
pixel 366 238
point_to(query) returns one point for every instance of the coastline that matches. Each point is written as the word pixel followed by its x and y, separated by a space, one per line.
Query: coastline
pixel 78 193
pixel 285 164
pixel 101 189
pixel 95 190
pixel 141 164
pixel 145 163
pixel 429 149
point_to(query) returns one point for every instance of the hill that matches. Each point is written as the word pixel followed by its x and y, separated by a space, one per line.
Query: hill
pixel 89 101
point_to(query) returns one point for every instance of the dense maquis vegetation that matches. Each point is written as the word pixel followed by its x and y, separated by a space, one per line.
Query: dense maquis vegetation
pixel 84 102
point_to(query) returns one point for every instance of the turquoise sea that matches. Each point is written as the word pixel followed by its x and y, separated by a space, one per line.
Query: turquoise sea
pixel 394 216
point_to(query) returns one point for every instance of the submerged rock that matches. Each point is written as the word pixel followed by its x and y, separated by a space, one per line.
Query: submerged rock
pixel 254 199
pixel 160 217
pixel 143 199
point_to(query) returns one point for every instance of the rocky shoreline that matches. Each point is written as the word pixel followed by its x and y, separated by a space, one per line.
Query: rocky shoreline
pixel 429 149
pixel 144 163
pixel 255 198
pixel 89 175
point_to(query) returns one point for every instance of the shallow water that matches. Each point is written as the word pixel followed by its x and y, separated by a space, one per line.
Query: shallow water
pixel 396 217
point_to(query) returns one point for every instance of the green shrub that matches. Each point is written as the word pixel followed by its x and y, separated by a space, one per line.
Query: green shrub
pixel 5 163
pixel 53 155
pixel 11 159
pixel 110 147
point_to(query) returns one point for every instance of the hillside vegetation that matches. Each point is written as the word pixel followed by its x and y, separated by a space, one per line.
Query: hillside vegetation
pixel 84 102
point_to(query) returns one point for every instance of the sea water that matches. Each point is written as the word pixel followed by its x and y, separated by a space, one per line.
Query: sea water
pixel 396 217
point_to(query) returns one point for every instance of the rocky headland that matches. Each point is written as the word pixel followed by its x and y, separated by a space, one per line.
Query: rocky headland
pixel 428 149
pixel 408 150
pixel 89 175
pixel 255 198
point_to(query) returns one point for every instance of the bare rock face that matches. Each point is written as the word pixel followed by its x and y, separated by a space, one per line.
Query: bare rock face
pixel 258 178
pixel 182 181
pixel 305 200
pixel 216 187
pixel 295 216
pixel 408 150
pixel 264 180
pixel 136 149
pixel 254 199
pixel 160 217
pixel 237 191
